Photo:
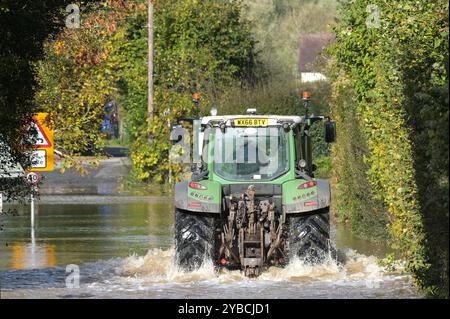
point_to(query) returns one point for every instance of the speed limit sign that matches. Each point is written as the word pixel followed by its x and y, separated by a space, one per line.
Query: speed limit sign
pixel 33 178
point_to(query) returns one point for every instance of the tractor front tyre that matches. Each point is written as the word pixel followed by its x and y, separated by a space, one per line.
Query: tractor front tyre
pixel 309 237
pixel 194 239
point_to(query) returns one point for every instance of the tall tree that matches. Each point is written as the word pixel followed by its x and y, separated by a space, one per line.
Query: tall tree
pixel 24 25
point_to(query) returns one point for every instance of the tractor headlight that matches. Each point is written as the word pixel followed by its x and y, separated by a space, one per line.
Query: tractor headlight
pixel 302 164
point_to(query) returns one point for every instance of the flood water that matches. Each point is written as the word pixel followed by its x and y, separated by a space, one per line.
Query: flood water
pixel 123 248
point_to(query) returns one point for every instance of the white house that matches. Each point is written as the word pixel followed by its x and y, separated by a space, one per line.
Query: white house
pixel 310 52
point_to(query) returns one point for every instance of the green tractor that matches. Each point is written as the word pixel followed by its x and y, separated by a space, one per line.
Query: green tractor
pixel 252 201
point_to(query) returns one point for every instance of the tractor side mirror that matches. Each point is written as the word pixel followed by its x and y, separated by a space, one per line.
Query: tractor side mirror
pixel 330 131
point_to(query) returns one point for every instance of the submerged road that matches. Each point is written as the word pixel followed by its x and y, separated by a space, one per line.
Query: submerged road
pixel 122 247
pixel 103 180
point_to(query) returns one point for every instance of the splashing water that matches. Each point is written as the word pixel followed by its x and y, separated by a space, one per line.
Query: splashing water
pixel 155 275
pixel 157 266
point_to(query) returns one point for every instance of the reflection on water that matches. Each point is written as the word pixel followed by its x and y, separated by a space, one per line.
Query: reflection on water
pixel 124 249
pixel 66 234
pixel 32 256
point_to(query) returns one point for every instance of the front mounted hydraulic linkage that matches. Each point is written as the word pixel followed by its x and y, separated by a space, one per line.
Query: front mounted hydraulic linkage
pixel 254 234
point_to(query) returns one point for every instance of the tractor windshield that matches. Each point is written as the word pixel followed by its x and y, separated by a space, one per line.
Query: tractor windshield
pixel 249 153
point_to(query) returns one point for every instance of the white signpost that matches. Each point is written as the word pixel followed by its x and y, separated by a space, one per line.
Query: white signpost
pixel 39 159
pixel 32 179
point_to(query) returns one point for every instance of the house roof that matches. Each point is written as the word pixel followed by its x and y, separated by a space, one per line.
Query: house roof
pixel 9 168
pixel 311 46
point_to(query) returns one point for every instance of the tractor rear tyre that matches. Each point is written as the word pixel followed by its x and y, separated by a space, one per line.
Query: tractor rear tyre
pixel 194 239
pixel 309 237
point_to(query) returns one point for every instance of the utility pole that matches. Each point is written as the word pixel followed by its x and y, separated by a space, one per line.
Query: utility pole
pixel 150 61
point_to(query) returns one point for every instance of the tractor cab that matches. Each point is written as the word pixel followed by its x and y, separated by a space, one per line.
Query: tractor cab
pixel 256 148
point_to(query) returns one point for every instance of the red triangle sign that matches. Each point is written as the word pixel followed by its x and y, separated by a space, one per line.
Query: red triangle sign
pixel 42 141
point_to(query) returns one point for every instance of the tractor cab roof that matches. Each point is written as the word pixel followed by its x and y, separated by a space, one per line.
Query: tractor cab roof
pixel 271 120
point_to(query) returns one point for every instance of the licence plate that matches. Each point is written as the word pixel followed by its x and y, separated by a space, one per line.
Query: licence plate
pixel 251 122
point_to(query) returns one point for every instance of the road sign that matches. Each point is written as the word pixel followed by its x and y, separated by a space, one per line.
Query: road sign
pixel 33 178
pixel 39 159
pixel 42 158
pixel 42 140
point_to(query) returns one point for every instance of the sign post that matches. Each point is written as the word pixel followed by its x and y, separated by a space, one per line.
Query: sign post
pixel 32 179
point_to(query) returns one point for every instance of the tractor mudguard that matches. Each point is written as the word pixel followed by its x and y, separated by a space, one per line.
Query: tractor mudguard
pixel 302 200
pixel 207 200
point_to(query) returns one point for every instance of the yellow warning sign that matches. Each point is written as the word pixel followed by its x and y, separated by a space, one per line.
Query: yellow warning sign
pixel 42 157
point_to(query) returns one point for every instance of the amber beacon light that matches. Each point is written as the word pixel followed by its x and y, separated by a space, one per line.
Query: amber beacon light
pixel 306 96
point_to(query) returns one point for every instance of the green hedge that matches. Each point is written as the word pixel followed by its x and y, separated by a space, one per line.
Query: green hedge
pixel 389 98
pixel 354 200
